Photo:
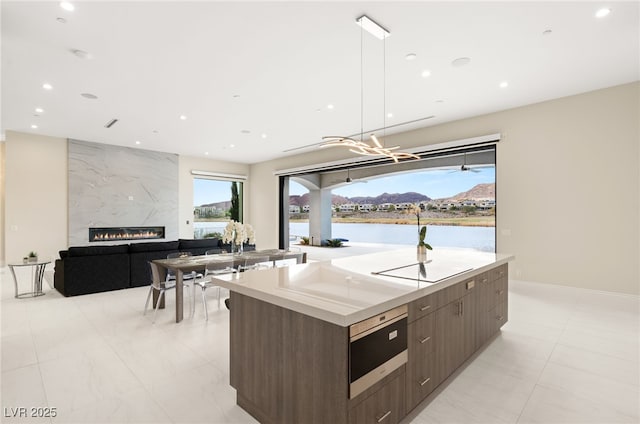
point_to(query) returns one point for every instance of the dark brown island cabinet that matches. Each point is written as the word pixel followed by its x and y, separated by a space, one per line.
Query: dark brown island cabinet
pixel 288 367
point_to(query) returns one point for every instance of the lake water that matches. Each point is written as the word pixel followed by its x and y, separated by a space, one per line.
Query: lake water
pixel 478 238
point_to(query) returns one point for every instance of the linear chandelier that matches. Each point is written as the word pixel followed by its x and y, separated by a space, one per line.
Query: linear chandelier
pixel 362 148
pixel 359 146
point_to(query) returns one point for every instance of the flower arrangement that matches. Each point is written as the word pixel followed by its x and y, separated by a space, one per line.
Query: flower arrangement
pixel 422 232
pixel 238 233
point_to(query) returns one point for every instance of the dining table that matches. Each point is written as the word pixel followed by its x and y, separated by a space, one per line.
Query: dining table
pixel 187 264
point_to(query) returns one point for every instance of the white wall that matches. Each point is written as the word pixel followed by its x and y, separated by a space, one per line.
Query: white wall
pixel 567 186
pixel 35 196
pixel 2 200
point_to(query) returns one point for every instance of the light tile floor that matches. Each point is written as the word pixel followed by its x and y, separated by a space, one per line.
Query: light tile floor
pixel 565 356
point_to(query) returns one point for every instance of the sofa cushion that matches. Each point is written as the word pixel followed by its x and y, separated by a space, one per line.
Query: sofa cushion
pixel 98 250
pixel 186 244
pixel 153 246
pixel 84 274
pixel 199 246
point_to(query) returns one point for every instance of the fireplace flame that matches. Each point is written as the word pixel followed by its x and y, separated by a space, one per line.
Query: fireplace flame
pixel 108 234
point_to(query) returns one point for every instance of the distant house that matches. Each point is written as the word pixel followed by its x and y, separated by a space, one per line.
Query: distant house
pixel 384 206
pixel 294 209
pixel 486 204
pixel 207 211
pixel 305 208
pixel 403 206
pixel 367 207
pixel 348 207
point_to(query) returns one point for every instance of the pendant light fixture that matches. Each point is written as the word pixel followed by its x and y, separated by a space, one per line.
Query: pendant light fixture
pixel 359 146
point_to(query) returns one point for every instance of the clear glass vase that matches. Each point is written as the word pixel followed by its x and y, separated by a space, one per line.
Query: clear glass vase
pixel 421 254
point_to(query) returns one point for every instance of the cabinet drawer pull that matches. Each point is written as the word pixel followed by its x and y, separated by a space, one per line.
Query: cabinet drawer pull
pixel 500 292
pixel 422 383
pixel 386 414
pixel 424 308
pixel 484 280
pixel 499 317
pixel 426 339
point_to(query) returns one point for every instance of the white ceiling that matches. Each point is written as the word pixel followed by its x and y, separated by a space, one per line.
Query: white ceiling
pixel 272 68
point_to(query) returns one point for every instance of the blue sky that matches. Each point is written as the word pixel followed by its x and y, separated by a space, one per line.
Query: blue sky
pixel 210 191
pixel 435 184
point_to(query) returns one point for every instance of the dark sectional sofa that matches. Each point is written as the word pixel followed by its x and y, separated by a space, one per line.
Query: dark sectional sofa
pixel 94 269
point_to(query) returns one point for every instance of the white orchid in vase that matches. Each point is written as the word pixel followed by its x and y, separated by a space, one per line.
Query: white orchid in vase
pixel 237 234
pixel 423 246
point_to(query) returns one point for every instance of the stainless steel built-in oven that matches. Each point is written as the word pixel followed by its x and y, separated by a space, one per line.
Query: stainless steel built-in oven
pixel 377 346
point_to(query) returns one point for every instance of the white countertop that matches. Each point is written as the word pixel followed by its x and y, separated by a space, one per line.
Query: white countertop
pixel 344 291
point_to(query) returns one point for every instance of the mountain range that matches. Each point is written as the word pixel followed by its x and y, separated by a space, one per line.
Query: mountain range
pixel 478 192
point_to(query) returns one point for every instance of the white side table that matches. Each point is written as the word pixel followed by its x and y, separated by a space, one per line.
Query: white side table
pixel 37 272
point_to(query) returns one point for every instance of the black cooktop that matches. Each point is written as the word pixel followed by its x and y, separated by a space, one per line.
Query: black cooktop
pixel 420 272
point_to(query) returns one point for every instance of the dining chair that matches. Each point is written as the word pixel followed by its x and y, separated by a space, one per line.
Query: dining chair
pixel 157 284
pixel 256 262
pixel 291 256
pixel 186 276
pixel 213 269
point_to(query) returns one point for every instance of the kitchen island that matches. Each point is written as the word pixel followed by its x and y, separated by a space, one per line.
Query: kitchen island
pixel 359 339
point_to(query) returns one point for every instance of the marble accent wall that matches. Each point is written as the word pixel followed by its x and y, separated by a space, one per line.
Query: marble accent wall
pixel 113 186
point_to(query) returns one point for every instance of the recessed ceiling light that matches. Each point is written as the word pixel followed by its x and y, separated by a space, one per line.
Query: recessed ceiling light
pixel 34 126
pixel 67 6
pixel 426 73
pixel 329 106
pixel 232 145
pixel 389 115
pixel 504 84
pixel 61 20
pixel 89 96
pixel 603 12
pixel 183 117
pixel 461 61
pixel 410 56
pixel 206 153
pixel 39 110
pixel 264 135
pixel 138 142
pixel 47 86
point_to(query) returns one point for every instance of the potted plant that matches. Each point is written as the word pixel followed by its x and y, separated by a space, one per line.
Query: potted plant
pixel 33 256
pixel 422 245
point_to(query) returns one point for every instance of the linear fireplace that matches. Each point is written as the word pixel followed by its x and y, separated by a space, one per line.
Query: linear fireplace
pixel 125 233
